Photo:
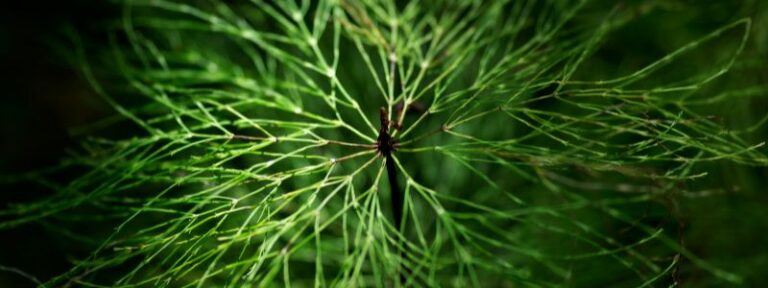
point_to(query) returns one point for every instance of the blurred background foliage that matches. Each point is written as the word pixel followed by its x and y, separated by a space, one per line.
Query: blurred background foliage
pixel 724 220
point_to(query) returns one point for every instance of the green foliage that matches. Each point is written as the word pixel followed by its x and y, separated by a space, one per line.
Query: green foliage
pixel 249 148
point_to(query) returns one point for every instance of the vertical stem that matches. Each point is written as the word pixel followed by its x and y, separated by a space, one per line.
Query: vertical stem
pixel 397 197
pixel 397 207
pixel 385 145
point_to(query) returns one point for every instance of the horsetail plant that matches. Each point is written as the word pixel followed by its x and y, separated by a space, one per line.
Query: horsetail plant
pixel 379 143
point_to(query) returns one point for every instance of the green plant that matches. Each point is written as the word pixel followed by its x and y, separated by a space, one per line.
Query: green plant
pixel 252 157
